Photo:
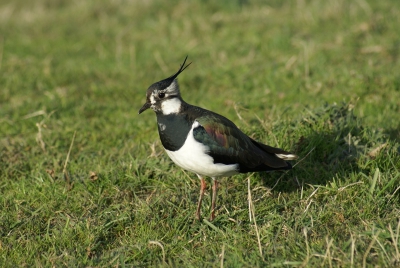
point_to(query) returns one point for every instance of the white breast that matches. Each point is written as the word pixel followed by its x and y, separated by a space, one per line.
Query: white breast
pixel 192 156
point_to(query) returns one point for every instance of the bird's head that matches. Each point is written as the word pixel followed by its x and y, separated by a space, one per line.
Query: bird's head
pixel 164 96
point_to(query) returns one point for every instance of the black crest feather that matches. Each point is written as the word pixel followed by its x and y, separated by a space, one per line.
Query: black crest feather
pixel 183 67
pixel 163 84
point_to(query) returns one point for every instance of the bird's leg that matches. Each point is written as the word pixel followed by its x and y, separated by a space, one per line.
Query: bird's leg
pixel 214 198
pixel 202 188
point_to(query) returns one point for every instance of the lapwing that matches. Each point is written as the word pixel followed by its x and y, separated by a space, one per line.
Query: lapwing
pixel 204 142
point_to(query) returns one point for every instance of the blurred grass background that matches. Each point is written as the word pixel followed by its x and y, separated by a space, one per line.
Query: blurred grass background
pixel 319 78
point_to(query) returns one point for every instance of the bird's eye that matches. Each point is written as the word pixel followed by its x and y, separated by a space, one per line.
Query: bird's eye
pixel 161 95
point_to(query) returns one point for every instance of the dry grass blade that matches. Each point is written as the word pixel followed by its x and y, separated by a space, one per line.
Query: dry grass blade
pixel 40 125
pixel 65 172
pixel 34 114
pixel 371 244
pixel 1 49
pixel 157 243
pixel 235 106
pixel 39 137
pixel 377 150
pixel 305 262
pixel 353 248
pixel 222 256
pixel 252 215
pixel 395 241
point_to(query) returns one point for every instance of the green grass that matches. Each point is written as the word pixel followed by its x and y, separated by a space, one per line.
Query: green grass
pixel 319 78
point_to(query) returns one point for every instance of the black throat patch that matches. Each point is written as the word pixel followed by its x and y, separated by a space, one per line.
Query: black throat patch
pixel 173 130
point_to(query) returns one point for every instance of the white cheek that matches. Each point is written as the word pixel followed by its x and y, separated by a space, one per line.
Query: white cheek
pixel 171 106
pixel 152 100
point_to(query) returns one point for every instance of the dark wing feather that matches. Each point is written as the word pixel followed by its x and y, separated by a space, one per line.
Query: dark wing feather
pixel 270 149
pixel 229 145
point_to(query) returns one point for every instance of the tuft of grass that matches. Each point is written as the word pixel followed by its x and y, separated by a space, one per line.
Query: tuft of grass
pixel 84 180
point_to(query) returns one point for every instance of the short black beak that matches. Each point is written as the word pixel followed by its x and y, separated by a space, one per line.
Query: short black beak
pixel 144 107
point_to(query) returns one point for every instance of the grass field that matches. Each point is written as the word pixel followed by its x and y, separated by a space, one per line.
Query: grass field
pixel 84 180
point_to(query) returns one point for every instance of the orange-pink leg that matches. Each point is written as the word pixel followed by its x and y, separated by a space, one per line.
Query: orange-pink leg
pixel 202 189
pixel 214 198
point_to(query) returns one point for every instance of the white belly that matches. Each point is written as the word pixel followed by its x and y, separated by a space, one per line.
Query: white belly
pixel 192 157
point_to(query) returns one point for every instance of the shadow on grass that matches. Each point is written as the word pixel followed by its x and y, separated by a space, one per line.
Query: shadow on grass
pixel 394 134
pixel 331 142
